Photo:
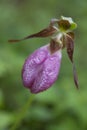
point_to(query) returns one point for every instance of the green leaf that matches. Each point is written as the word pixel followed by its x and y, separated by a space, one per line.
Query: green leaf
pixel 1 98
pixel 5 119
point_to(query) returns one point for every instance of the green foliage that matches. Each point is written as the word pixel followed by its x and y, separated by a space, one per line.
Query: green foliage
pixel 61 107
pixel 5 119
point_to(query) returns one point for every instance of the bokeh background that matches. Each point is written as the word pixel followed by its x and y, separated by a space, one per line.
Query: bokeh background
pixel 62 107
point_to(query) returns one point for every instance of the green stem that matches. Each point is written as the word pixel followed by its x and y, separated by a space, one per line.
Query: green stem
pixel 22 113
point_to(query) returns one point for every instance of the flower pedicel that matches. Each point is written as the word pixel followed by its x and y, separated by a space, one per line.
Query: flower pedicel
pixel 41 68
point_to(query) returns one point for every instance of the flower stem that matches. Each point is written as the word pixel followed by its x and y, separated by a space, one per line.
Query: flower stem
pixel 22 113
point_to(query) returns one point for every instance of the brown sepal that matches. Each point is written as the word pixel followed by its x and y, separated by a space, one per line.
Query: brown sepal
pixel 75 76
pixel 43 33
pixel 54 46
pixel 71 34
pixel 70 50
pixel 70 46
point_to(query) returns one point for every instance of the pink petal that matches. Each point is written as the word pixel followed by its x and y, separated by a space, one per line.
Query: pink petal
pixel 41 69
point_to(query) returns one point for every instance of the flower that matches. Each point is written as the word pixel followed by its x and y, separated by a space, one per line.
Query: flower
pixel 41 69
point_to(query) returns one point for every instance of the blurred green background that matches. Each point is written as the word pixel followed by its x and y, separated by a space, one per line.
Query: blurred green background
pixel 62 107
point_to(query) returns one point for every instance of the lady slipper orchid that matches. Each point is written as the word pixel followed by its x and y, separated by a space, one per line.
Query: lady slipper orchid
pixel 41 68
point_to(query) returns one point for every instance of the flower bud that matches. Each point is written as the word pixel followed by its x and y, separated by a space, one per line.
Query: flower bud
pixel 41 69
